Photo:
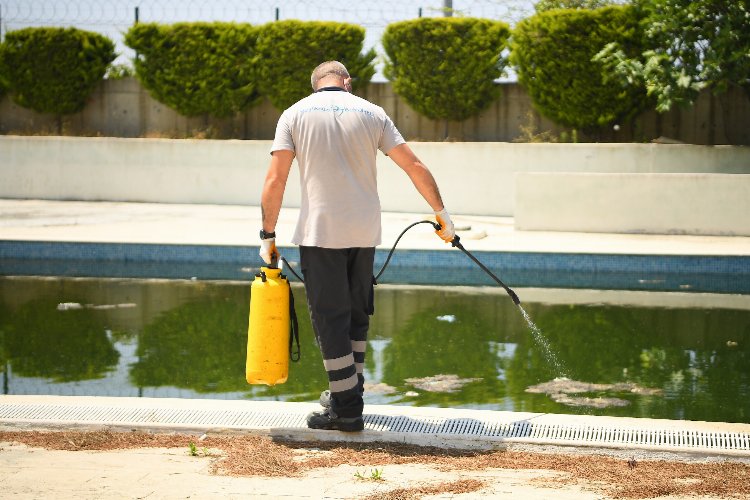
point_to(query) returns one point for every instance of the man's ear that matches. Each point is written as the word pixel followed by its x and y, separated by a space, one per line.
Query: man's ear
pixel 348 84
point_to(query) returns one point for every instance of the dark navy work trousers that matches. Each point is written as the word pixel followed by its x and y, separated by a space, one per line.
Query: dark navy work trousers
pixel 339 286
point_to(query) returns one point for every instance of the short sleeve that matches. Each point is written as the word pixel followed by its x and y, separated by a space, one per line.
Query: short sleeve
pixel 283 139
pixel 391 137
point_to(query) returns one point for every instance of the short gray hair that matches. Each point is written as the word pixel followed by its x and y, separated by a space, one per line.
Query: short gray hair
pixel 325 69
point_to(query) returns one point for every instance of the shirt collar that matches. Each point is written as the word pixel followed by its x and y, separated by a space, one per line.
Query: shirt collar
pixel 330 89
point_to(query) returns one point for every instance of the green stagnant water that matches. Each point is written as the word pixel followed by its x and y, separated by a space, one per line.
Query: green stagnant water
pixel 448 347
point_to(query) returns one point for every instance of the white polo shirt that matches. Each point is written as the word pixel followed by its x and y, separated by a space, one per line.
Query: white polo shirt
pixel 335 136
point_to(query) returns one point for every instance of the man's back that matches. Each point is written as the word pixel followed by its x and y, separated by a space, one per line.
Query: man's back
pixel 335 136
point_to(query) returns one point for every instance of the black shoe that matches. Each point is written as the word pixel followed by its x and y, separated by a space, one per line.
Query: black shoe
pixel 328 420
pixel 325 399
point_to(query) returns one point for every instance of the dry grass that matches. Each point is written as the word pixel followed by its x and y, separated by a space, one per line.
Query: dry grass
pixel 455 487
pixel 249 455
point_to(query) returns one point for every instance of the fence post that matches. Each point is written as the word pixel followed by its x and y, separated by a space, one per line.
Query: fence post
pixel 277 13
pixel 447 8
pixel 137 14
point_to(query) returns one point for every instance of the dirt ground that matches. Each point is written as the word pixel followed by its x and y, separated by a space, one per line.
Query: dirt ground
pixel 146 465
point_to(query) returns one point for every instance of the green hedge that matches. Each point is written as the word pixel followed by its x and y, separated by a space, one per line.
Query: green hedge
pixel 288 52
pixel 446 68
pixel 544 5
pixel 552 52
pixel 197 68
pixel 54 70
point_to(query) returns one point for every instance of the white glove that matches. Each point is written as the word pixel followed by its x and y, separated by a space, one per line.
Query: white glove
pixel 447 232
pixel 268 251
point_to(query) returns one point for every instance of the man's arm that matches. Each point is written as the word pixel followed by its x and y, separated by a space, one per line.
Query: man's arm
pixel 425 183
pixel 273 188
pixel 419 174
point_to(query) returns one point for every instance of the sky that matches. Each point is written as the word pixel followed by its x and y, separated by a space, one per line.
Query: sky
pixel 113 17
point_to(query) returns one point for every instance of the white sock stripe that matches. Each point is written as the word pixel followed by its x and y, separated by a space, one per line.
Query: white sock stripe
pixel 338 363
pixel 343 385
pixel 359 345
pixel 360 367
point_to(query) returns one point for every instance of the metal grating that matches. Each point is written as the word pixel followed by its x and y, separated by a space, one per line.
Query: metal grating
pixel 487 430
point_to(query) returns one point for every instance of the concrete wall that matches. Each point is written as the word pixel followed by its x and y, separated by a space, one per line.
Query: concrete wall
pixel 700 204
pixel 122 108
pixel 475 178
pixel 140 170
pixel 479 178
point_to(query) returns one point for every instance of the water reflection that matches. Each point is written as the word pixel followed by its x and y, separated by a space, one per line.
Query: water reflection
pixel 201 346
pixel 425 346
pixel 197 345
pixel 63 346
pixel 187 339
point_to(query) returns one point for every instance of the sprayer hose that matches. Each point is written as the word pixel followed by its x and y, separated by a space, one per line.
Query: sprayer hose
pixel 456 243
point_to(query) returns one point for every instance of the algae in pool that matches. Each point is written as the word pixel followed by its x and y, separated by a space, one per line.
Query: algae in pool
pixel 448 347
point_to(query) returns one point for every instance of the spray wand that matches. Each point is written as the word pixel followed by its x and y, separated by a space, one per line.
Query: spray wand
pixel 457 243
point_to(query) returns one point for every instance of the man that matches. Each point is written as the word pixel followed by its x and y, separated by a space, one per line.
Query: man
pixel 335 137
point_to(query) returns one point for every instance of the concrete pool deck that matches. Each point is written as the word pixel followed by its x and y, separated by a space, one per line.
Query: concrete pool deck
pixel 233 225
pixel 206 242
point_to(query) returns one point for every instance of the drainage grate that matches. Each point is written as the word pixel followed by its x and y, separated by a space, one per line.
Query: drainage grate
pixel 484 427
pixel 530 432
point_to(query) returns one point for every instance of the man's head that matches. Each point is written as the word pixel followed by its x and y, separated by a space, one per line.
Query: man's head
pixel 331 74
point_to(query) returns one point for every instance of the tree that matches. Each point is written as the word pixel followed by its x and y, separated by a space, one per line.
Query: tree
pixel 691 45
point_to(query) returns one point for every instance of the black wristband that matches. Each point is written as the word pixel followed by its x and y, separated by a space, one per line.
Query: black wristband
pixel 264 235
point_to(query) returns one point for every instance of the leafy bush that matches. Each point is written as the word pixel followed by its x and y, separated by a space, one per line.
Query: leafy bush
pixel 446 68
pixel 288 52
pixel 553 53
pixel 54 70
pixel 691 45
pixel 197 68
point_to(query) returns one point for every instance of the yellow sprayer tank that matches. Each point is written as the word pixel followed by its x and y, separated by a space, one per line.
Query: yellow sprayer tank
pixel 268 329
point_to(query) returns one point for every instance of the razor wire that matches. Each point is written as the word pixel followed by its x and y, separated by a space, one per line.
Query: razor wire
pixel 112 18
